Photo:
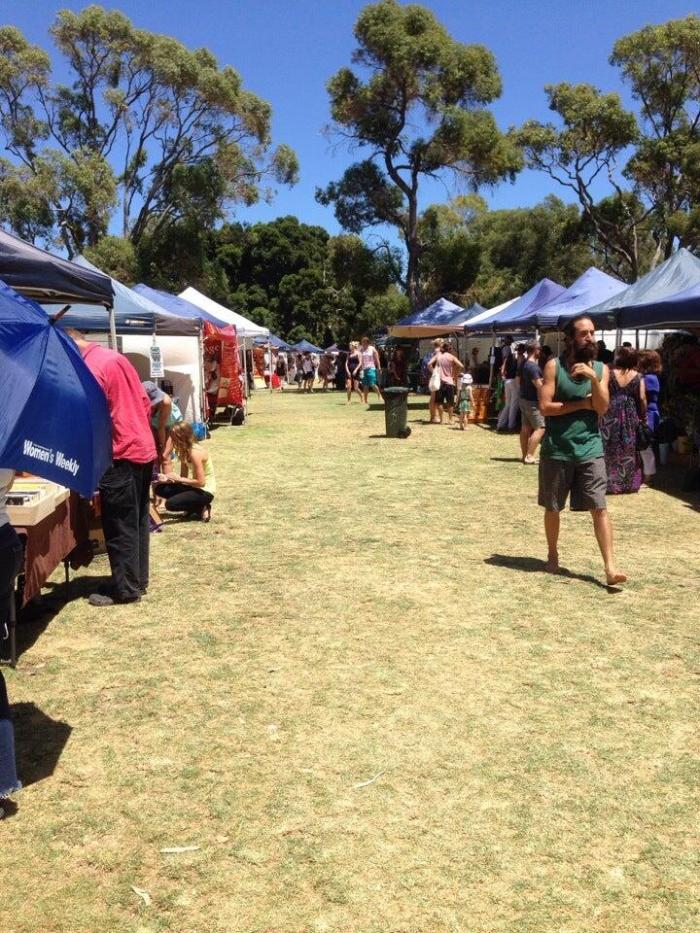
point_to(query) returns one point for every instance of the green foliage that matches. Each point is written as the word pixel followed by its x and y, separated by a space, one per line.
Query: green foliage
pixel 632 227
pixel 518 247
pixel 662 66
pixel 472 254
pixel 115 256
pixel 284 275
pixel 177 133
pixel 421 112
pixel 594 133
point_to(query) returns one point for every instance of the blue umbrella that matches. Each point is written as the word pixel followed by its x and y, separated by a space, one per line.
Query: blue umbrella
pixel 54 419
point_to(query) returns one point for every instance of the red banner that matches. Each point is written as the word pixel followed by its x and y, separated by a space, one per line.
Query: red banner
pixel 222 365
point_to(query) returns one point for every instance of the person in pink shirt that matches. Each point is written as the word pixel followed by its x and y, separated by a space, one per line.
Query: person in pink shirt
pixel 449 366
pixel 125 486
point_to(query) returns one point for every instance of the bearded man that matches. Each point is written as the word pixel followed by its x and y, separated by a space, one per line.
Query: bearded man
pixel 573 397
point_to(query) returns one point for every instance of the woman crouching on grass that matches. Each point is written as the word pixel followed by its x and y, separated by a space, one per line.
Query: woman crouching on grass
pixel 184 493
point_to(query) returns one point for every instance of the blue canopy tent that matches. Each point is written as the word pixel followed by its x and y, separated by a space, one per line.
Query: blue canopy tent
pixel 681 311
pixel 589 288
pixel 178 306
pixel 679 273
pixel 303 346
pixel 36 274
pixel 274 341
pixel 133 313
pixel 508 319
pixel 430 322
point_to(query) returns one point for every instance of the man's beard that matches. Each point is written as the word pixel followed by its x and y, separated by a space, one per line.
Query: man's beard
pixel 586 353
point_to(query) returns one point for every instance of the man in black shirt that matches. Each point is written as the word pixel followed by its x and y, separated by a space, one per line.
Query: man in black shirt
pixel 532 430
pixel 604 355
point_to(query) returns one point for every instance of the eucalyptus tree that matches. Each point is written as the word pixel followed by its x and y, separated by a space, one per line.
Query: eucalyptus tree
pixel 416 106
pixel 146 124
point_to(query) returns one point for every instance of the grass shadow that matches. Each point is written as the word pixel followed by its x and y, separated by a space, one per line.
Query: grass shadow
pixel 507 459
pixel 39 742
pixel 674 481
pixel 34 618
pixel 536 565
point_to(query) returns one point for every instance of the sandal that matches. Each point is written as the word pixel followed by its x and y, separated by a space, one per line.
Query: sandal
pixel 205 514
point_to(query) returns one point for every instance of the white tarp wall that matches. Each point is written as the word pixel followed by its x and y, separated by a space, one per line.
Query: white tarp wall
pixel 181 363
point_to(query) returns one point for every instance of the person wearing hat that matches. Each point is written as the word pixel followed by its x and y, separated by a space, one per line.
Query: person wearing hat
pixel 164 414
pixel 465 399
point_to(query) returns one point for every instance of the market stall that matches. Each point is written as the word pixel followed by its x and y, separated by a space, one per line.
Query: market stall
pixel 247 331
pixel 55 428
pixel 140 326
pixel 218 340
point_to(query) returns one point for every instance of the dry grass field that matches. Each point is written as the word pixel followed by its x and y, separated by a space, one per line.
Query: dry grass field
pixel 354 702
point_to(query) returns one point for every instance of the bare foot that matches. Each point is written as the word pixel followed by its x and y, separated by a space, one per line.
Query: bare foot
pixel 552 565
pixel 615 579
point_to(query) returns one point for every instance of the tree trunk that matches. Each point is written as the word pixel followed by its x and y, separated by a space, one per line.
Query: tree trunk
pixel 413 250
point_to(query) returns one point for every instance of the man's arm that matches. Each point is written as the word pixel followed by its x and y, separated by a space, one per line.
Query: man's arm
pixel 600 392
pixel 548 407
pixel 377 362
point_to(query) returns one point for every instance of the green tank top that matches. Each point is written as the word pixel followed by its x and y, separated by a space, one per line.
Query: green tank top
pixel 575 437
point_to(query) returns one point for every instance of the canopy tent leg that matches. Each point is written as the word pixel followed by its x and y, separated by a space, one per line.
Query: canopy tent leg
pixel 636 339
pixel 112 329
pixel 202 381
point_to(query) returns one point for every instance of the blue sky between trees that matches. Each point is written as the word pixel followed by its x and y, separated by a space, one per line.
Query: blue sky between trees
pixel 285 53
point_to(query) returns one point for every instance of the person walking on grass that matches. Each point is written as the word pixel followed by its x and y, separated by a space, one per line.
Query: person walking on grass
pixel 532 426
pixel 465 400
pixel 308 372
pixel 426 365
pixel 371 368
pixel 448 366
pixel 573 397
pixel 353 367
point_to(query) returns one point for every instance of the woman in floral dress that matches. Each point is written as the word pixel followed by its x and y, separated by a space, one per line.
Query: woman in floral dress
pixel 619 424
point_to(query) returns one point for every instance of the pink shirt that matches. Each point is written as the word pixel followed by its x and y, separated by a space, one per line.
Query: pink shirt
pixel 445 365
pixel 129 406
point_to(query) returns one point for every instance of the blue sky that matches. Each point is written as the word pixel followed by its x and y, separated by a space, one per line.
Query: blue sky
pixel 286 50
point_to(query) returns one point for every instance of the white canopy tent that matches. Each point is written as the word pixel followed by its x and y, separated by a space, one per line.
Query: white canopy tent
pixel 245 329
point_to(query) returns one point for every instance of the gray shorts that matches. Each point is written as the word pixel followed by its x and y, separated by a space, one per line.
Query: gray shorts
pixel 586 481
pixel 531 414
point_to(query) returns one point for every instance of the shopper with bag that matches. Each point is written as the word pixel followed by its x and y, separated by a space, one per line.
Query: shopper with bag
pixel 620 425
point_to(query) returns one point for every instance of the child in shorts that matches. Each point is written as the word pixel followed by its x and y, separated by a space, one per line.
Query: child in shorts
pixel 464 399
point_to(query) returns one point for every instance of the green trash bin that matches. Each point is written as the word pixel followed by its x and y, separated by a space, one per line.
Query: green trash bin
pixel 396 411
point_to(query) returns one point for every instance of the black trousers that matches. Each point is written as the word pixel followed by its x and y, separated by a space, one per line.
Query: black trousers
pixel 11 556
pixel 180 497
pixel 124 494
